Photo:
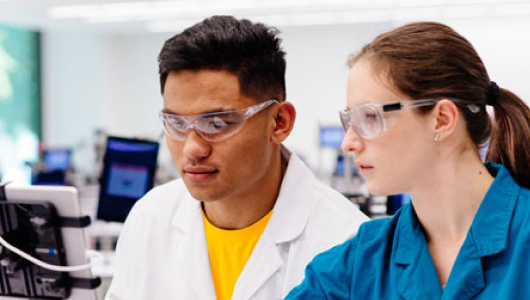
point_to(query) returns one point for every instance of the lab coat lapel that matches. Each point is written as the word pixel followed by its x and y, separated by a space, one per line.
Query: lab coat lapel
pixel 419 279
pixel 288 221
pixel 263 263
pixel 467 277
pixel 193 261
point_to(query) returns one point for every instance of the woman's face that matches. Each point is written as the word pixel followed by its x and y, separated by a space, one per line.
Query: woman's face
pixel 398 159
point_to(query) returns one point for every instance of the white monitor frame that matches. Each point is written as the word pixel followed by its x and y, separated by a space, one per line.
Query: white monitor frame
pixel 66 202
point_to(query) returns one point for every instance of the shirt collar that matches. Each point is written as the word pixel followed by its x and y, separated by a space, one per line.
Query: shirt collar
pixel 489 228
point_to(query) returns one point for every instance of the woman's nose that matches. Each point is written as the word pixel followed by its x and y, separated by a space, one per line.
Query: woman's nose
pixel 352 142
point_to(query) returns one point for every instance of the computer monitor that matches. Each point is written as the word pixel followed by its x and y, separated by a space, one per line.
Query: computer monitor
pixel 56 163
pixel 395 202
pixel 331 136
pixel 128 174
pixel 57 159
pixel 341 165
pixel 30 281
pixel 49 178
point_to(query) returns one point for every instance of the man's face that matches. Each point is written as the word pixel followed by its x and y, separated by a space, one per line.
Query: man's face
pixel 232 167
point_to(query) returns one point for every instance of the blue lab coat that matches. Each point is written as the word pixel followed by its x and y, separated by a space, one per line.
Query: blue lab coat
pixel 389 258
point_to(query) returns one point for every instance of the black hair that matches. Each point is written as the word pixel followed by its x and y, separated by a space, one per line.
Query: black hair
pixel 251 51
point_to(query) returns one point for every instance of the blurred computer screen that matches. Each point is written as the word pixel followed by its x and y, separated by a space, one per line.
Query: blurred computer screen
pixel 129 167
pixel 331 136
pixel 57 159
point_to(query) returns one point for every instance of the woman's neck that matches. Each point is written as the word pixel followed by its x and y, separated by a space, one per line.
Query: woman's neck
pixel 447 208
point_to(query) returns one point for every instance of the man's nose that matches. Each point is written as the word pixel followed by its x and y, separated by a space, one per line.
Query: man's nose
pixel 196 147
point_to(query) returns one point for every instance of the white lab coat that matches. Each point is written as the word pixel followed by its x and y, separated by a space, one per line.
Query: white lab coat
pixel 162 252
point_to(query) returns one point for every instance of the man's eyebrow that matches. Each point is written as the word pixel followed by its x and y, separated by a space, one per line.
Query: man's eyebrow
pixel 167 111
pixel 211 111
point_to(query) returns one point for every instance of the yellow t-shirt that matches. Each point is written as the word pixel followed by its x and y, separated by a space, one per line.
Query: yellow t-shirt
pixel 229 251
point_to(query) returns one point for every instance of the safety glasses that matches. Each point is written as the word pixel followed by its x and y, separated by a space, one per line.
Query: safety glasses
pixel 212 127
pixel 368 120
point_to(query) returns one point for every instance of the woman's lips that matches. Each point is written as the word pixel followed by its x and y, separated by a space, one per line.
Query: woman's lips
pixel 364 167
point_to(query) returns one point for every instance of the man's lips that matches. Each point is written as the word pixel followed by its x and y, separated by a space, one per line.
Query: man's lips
pixel 199 173
pixel 199 170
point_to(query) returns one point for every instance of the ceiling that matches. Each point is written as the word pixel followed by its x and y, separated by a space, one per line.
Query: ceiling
pixel 135 16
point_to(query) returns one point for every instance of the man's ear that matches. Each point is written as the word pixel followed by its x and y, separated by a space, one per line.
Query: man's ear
pixel 284 117
pixel 446 116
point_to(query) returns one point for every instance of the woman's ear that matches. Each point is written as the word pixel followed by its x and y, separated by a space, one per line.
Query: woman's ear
pixel 285 114
pixel 446 116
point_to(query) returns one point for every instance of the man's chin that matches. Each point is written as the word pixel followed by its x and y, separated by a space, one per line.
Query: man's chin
pixel 203 196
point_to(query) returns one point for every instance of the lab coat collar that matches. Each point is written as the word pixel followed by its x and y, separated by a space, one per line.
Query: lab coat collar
pixel 294 202
pixel 193 264
pixel 414 256
pixel 492 221
pixel 187 213
pixel 409 235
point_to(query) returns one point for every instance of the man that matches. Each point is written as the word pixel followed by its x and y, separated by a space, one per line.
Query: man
pixel 247 215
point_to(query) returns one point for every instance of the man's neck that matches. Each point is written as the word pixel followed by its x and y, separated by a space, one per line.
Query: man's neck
pixel 245 209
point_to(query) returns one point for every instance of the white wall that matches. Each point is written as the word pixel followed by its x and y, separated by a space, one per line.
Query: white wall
pixel 316 81
pixel 74 79
pixel 111 82
pixel 504 47
pixel 92 81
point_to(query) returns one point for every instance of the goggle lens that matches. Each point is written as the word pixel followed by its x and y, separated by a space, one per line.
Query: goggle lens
pixel 211 126
pixel 366 120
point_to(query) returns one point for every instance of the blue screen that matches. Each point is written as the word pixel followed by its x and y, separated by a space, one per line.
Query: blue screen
pixel 127 181
pixel 395 202
pixel 331 137
pixel 129 169
pixel 57 159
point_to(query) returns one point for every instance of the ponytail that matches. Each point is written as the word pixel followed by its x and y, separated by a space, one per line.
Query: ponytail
pixel 510 137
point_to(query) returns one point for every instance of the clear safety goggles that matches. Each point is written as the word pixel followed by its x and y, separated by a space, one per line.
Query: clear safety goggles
pixel 369 121
pixel 210 126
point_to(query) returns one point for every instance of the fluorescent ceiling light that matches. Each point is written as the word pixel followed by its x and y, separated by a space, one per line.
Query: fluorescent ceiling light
pixel 152 10
pixel 349 16
pixel 174 15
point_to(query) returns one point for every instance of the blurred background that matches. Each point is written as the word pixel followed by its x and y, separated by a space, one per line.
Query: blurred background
pixel 73 73
pixel 72 70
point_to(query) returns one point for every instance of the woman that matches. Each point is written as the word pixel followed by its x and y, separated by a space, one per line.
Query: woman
pixel 415 120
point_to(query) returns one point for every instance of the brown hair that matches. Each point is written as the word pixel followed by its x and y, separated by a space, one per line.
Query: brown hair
pixel 428 60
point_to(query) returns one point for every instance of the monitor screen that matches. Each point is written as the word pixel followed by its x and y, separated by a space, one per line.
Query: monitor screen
pixel 395 202
pixel 49 178
pixel 57 159
pixel 331 136
pixel 340 166
pixel 128 174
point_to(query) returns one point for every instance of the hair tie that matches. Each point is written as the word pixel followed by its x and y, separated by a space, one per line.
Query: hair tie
pixel 493 96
